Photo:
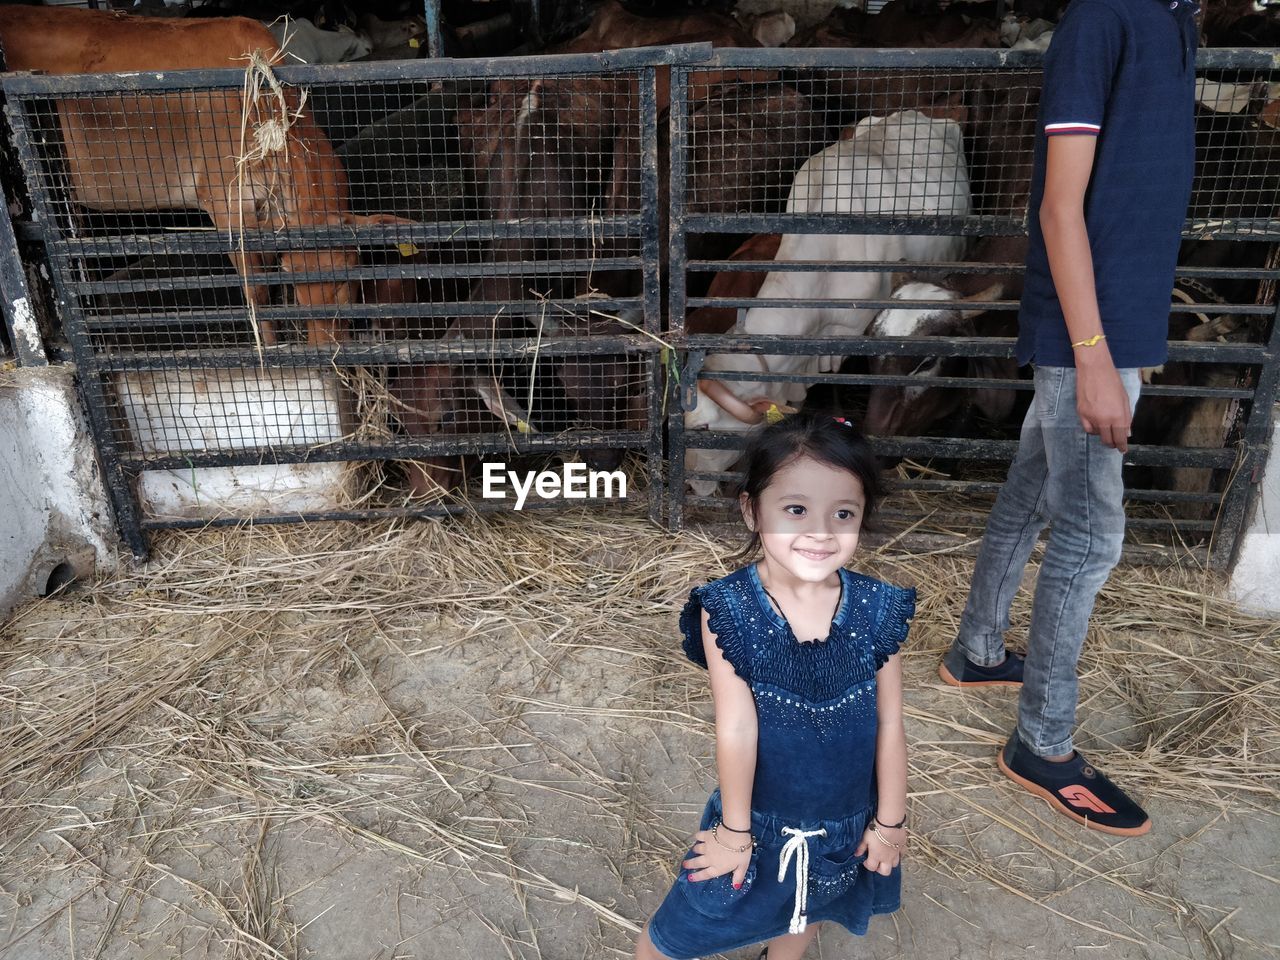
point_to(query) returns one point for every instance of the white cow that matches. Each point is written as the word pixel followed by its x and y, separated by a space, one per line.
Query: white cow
pixel 906 164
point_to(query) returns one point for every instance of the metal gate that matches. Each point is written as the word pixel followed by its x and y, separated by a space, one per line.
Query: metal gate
pixel 302 276
pixel 341 269
pixel 733 156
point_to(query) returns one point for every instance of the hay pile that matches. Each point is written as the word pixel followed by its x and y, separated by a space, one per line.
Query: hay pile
pixel 477 738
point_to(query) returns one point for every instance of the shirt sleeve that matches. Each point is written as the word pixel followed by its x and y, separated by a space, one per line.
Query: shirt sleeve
pixel 723 624
pixel 1079 67
pixel 898 606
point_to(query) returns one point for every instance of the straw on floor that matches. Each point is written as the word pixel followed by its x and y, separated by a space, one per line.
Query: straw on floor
pixel 248 681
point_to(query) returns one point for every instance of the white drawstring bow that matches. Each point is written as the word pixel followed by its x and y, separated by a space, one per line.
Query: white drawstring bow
pixel 798 847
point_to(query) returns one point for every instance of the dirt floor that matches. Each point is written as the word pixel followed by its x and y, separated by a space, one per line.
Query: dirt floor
pixel 479 739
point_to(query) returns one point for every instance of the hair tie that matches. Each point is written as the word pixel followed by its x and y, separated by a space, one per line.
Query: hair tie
pixel 843 421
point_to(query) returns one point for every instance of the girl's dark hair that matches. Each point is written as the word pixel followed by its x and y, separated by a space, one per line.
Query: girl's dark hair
pixel 824 437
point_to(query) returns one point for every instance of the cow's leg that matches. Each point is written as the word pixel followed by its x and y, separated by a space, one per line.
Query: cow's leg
pixel 322 296
pixel 231 217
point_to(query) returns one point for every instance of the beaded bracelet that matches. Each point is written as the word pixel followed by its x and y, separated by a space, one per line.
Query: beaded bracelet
pixel 742 849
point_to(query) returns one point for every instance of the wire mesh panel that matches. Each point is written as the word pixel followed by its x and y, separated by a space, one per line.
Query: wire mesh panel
pixel 373 276
pixel 848 232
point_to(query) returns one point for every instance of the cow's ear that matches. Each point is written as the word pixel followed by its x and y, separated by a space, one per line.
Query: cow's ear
pixel 950 107
pixel 992 292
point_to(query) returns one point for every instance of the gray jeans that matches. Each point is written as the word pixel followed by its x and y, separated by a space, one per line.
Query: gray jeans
pixel 1070 480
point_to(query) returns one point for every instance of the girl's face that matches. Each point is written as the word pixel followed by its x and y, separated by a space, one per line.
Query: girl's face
pixel 808 518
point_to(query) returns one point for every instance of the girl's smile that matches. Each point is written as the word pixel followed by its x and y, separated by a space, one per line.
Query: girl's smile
pixel 809 519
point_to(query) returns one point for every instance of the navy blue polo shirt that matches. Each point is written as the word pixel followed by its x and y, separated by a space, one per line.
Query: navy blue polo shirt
pixel 1122 71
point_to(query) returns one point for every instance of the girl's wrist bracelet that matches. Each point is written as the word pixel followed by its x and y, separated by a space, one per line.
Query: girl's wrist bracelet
pixel 731 830
pixel 883 839
pixel 715 833
pixel 892 826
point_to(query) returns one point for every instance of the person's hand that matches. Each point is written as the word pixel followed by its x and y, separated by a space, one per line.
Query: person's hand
pixel 881 856
pixel 1101 400
pixel 712 859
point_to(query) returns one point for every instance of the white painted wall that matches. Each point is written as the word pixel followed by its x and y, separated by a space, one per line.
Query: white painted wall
pixel 53 505
pixel 1255 578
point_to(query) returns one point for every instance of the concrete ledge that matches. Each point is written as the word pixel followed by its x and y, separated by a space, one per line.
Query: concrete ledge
pixel 55 520
pixel 1255 577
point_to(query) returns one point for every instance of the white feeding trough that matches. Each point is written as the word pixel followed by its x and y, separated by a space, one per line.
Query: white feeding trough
pixel 200 411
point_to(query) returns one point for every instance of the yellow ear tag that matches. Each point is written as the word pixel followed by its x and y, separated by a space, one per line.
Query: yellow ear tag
pixel 415 42
pixel 773 414
pixel 522 426
pixel 407 249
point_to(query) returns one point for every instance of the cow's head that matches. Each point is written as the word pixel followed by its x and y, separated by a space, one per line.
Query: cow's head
pixel 431 400
pixel 912 410
pixel 609 392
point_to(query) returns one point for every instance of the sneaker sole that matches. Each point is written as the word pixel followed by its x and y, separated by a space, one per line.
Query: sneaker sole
pixel 949 679
pixel 1062 808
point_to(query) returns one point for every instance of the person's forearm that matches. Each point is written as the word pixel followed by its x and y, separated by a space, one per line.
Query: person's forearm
pixel 1066 242
pixel 736 765
pixel 891 772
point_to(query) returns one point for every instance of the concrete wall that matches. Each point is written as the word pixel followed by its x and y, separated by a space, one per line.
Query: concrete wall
pixel 1255 578
pixel 53 506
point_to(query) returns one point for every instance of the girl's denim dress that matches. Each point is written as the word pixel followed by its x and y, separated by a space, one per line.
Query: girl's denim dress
pixel 814 791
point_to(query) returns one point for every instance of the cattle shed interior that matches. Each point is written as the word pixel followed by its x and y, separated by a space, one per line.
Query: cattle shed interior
pixel 301 288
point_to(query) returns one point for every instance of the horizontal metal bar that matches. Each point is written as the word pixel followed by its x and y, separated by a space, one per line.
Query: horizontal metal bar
pixel 852 266
pixel 842 303
pixel 945 266
pixel 962 383
pixel 329 238
pixel 860 303
pixel 25 85
pixel 1250 353
pixel 958 448
pixel 409 511
pixel 28 85
pixel 415 448
pixel 836 224
pixel 389 353
pixel 1247 228
pixel 426 271
pixel 908 58
pixel 351 311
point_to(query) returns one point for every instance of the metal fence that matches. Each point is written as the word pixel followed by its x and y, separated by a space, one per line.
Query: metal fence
pixel 362 278
pixel 348 282
pixel 946 404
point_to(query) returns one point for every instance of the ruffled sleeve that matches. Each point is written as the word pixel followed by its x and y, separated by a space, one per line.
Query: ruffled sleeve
pixel 712 598
pixel 898 606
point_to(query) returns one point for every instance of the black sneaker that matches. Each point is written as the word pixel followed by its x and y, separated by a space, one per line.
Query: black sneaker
pixel 1074 788
pixel 957 670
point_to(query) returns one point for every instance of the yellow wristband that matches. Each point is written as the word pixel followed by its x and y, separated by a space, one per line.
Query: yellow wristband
pixel 1092 341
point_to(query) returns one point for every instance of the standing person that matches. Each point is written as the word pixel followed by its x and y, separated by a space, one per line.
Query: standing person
pixel 1114 157
pixel 809 820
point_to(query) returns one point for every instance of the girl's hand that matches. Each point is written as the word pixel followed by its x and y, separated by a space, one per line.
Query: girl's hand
pixel 882 858
pixel 711 859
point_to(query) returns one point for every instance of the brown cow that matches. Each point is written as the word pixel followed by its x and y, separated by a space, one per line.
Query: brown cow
pixel 905 23
pixel 180 150
pixel 739 286
pixel 911 411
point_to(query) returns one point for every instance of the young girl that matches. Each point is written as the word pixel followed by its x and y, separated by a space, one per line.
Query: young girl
pixel 809 822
